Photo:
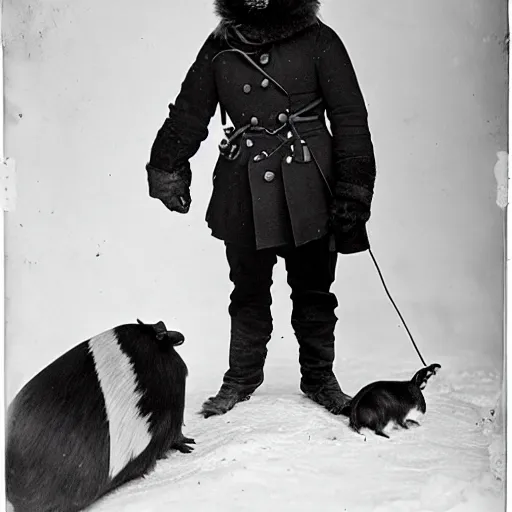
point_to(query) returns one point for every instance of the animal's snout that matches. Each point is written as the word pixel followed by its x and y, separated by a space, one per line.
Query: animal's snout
pixel 176 338
pixel 433 369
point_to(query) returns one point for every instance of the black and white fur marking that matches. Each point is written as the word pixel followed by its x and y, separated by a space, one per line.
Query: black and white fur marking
pixel 382 405
pixel 128 429
pixel 99 416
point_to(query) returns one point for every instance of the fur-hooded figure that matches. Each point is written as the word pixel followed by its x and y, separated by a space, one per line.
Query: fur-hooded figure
pixel 264 21
pixel 274 68
pixel 277 71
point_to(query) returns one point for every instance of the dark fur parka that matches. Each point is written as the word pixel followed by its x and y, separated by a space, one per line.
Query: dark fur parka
pixel 277 73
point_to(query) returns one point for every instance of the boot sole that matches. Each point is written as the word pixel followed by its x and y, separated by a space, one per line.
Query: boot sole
pixel 333 408
pixel 210 409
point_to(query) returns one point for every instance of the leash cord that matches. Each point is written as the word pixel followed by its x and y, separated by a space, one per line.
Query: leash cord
pixel 396 307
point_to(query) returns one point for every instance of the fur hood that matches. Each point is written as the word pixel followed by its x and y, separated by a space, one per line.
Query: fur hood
pixel 280 20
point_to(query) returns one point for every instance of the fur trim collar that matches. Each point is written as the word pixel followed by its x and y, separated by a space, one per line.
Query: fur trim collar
pixel 280 20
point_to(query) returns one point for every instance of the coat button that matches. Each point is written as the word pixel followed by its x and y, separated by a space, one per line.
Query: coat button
pixel 289 159
pixel 265 83
pixel 247 88
pixel 249 143
pixel 254 121
pixel 282 118
pixel 265 57
pixel 260 156
pixel 269 176
pixel 289 135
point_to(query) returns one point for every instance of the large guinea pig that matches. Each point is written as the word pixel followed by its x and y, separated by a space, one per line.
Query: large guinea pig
pixel 100 415
pixel 390 403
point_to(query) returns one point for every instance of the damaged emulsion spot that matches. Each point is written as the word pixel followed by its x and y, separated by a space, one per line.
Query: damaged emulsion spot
pixel 505 44
pixel 501 176
pixel 28 23
pixel 98 252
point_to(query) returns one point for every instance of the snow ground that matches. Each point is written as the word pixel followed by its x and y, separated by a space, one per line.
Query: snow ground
pixel 279 451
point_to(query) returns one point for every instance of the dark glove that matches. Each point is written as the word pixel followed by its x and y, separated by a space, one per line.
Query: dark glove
pixel 172 188
pixel 347 225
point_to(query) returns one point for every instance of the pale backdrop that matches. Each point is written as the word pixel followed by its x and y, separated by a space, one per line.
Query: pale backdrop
pixel 87 86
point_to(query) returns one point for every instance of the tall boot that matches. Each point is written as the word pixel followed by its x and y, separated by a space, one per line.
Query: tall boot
pixel 314 328
pixel 311 272
pixel 247 355
pixel 251 327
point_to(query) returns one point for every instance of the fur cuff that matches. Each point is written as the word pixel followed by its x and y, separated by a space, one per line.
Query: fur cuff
pixel 353 193
pixel 356 180
pixel 182 174
pixel 345 215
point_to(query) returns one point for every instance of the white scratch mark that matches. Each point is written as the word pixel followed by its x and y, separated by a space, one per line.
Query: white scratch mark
pixel 501 175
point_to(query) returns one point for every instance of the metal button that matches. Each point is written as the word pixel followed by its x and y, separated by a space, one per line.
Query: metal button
pixel 261 156
pixel 265 57
pixel 282 118
pixel 289 135
pixel 269 176
pixel 247 88
pixel 289 159
pixel 254 121
pixel 265 83
pixel 249 143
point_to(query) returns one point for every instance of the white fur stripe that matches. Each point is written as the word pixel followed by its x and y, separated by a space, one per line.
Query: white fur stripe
pixel 129 430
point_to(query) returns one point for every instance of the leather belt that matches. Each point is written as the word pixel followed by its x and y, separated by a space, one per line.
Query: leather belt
pixel 231 150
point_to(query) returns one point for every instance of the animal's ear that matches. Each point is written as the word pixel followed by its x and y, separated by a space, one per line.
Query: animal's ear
pixel 170 339
pixel 160 330
pixel 163 336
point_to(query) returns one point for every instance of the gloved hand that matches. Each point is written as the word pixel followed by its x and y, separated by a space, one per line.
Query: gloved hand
pixel 172 188
pixel 347 225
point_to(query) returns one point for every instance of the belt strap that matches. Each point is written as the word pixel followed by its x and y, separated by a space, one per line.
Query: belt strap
pixel 295 117
pixel 305 109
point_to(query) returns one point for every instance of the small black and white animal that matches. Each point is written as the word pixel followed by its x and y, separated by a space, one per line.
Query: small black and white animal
pixel 384 404
pixel 97 417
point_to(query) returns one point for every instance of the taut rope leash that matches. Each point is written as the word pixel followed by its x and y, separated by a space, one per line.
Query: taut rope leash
pixel 396 307
pixel 501 174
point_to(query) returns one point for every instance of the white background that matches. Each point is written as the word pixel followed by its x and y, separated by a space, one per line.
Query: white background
pixel 87 86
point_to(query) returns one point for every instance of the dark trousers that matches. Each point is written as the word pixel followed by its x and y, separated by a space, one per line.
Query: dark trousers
pixel 310 273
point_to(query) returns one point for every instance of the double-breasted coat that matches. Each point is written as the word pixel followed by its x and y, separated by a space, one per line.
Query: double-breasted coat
pixel 280 166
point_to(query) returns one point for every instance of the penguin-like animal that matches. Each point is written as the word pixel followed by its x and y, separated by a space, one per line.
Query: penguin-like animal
pixel 383 404
pixel 97 417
